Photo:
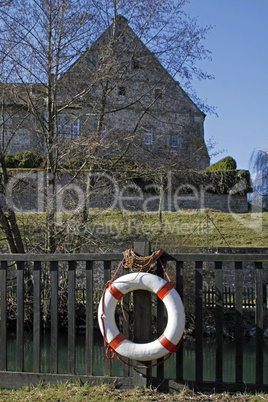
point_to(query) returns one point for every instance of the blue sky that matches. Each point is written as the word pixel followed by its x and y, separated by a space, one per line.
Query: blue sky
pixel 239 45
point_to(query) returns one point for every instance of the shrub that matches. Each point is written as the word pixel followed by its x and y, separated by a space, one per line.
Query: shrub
pixel 27 159
pixel 31 159
pixel 11 161
pixel 73 163
pixel 227 163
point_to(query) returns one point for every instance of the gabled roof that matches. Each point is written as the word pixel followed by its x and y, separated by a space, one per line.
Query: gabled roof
pixel 17 93
pixel 121 26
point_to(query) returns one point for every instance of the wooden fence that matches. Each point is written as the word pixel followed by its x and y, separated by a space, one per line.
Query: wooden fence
pixel 228 297
pixel 20 377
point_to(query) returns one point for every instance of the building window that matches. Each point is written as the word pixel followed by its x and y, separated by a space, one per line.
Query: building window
pixel 173 154
pixel 136 64
pixel 158 93
pixel 68 128
pixel 122 91
pixel 173 141
pixel 103 134
pixel 76 128
pixel 148 137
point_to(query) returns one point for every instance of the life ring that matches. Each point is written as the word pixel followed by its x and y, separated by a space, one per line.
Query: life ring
pixel 165 291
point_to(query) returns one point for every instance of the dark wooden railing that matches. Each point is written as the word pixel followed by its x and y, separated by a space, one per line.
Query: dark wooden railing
pixel 178 261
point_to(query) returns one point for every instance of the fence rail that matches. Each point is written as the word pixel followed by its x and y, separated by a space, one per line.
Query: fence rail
pixel 218 298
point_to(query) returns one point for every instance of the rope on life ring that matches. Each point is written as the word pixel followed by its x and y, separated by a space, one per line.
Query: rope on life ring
pixel 172 335
pixel 144 264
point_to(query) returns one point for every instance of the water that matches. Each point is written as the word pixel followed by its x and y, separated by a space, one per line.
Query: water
pixel 209 358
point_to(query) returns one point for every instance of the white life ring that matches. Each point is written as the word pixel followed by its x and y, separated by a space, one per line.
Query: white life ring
pixel 175 325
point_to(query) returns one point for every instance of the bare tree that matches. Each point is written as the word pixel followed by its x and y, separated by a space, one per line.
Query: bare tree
pixel 46 36
pixel 11 122
pixel 63 75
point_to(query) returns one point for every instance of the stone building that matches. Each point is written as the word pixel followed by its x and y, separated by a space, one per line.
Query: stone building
pixel 116 93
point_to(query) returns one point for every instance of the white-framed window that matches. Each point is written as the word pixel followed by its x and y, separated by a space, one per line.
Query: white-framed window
pixel 122 91
pixel 173 141
pixel 158 93
pixel 148 137
pixel 173 154
pixel 68 128
pixel 76 127
pixel 103 134
pixel 136 64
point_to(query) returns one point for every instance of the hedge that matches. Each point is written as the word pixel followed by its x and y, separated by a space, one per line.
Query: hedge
pixel 27 159
pixel 227 163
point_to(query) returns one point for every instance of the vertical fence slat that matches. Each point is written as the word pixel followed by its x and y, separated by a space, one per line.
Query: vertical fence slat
pixel 240 298
pixel 71 317
pixel 37 318
pixel 264 295
pixel 142 319
pixel 239 321
pixel 160 327
pixel 198 321
pixel 54 318
pixel 126 307
pixel 179 288
pixel 89 318
pixel 107 277
pixel 3 333
pixel 219 320
pixel 259 322
pixel 20 316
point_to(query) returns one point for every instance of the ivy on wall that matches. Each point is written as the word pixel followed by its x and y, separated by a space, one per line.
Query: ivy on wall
pixel 217 182
pixel 213 179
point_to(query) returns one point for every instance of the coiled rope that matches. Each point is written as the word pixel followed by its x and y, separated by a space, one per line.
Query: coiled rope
pixel 141 264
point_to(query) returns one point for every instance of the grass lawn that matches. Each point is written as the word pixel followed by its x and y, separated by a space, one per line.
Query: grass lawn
pixel 116 230
pixel 75 393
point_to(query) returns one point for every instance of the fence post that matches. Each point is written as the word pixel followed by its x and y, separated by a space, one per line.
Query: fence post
pixel 20 316
pixel 142 319
pixel 107 277
pixel 219 321
pixel 37 318
pixel 198 321
pixel 71 317
pixel 89 318
pixel 160 325
pixel 239 321
pixel 179 288
pixel 125 329
pixel 259 322
pixel 54 318
pixel 3 333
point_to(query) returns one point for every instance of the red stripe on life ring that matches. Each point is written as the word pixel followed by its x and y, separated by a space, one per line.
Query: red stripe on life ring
pixel 167 344
pixel 115 292
pixel 116 341
pixel 166 288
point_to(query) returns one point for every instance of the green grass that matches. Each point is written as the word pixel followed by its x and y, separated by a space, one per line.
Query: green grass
pixel 116 229
pixel 75 393
pixel 187 228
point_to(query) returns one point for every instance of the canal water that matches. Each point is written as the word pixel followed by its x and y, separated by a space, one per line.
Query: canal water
pixel 209 358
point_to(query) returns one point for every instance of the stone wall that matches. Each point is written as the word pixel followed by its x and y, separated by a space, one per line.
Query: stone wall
pixel 27 193
pixel 20 131
pixel 221 202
